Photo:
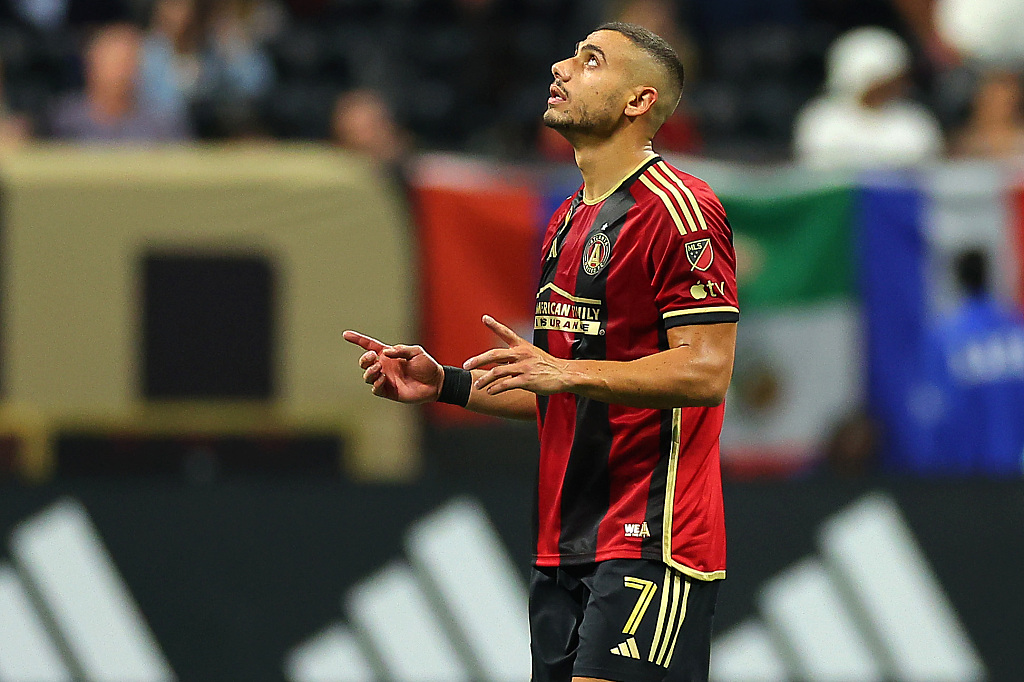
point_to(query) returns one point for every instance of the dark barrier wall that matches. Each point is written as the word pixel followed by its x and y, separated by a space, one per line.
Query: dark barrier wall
pixel 268 580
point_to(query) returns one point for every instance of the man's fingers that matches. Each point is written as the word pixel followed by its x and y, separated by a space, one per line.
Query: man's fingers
pixel 402 352
pixel 364 341
pixel 499 372
pixel 372 373
pixel 505 384
pixel 367 359
pixel 504 333
pixel 493 356
pixel 378 385
pixel 484 381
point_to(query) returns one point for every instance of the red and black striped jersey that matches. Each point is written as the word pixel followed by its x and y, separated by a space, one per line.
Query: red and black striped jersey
pixel 620 482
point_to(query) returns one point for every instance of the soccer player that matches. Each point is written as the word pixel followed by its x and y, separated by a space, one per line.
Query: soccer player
pixel 632 354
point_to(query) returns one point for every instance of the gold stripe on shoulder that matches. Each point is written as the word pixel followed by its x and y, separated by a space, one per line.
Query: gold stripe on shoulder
pixel 668 203
pixel 686 190
pixel 696 311
pixel 679 197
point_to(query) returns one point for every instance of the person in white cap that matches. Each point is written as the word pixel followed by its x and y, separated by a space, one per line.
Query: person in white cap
pixel 984 30
pixel 864 118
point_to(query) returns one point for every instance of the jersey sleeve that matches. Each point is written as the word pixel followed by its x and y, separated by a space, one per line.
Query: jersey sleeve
pixel 692 260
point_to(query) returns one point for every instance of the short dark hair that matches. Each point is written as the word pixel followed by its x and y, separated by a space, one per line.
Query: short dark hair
pixel 654 45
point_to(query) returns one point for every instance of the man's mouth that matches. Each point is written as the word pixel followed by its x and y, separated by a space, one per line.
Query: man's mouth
pixel 557 95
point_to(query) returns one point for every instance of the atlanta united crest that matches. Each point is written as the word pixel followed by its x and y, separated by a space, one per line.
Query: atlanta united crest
pixel 700 255
pixel 596 253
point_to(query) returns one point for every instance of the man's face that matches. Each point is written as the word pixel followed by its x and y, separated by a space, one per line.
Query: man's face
pixel 591 87
pixel 113 61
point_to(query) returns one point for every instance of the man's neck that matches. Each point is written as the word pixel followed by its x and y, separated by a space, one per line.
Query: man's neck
pixel 606 163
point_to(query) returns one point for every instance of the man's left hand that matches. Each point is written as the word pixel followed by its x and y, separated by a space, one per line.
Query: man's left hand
pixel 521 365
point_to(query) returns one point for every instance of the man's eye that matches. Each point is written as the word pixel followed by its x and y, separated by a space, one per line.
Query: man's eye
pixel 591 60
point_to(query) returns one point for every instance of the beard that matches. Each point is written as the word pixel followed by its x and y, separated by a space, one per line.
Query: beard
pixel 581 121
pixel 567 121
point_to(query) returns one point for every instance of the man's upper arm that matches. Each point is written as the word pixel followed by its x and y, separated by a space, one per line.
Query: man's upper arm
pixel 709 355
pixel 713 343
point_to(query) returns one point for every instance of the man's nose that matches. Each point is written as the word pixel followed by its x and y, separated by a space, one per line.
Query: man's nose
pixel 560 71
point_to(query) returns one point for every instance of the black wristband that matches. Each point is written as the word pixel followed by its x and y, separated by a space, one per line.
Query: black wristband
pixel 458 384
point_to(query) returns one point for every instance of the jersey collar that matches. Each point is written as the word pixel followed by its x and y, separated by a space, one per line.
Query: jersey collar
pixel 629 176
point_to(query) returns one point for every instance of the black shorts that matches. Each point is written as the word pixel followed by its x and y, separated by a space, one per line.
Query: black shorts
pixel 626 620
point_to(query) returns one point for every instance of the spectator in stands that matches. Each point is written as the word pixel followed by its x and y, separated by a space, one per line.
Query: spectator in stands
pixel 206 63
pixel 364 123
pixel 14 128
pixel 109 109
pixel 979 30
pixel 995 129
pixel 973 376
pixel 236 66
pixel 171 61
pixel 865 119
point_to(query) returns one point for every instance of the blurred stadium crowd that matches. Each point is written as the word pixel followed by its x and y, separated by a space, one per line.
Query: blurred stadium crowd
pixel 766 79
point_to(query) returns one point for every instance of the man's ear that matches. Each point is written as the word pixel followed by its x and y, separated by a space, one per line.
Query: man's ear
pixel 642 101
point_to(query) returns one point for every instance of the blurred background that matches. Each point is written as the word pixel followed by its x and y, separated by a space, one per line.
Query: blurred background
pixel 198 196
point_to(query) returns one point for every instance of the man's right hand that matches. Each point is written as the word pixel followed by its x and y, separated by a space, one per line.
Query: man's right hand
pixel 406 374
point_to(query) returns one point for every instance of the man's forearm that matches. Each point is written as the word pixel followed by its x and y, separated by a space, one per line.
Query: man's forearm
pixel 517 404
pixel 672 378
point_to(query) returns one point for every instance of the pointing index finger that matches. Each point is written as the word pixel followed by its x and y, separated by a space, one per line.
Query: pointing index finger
pixel 364 341
pixel 504 333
